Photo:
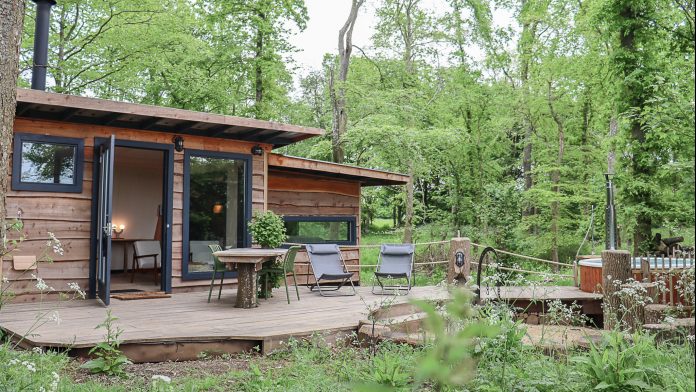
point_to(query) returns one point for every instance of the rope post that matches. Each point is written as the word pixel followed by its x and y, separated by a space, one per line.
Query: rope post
pixel 459 268
pixel 616 270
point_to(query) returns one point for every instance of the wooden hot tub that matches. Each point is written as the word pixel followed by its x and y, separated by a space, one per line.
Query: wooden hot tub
pixel 590 271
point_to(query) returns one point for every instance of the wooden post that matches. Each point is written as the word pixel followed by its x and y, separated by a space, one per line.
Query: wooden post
pixel 616 266
pixel 459 268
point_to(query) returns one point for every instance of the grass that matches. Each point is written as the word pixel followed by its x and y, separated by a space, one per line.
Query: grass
pixel 316 366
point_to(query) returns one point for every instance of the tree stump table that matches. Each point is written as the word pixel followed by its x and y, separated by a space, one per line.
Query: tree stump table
pixel 247 261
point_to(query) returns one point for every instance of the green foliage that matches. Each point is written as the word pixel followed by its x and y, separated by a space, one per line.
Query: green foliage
pixel 109 359
pixel 449 360
pixel 267 229
pixel 622 365
pixel 506 130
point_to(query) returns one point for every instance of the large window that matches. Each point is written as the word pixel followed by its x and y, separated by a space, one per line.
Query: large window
pixel 47 163
pixel 321 229
pixel 217 207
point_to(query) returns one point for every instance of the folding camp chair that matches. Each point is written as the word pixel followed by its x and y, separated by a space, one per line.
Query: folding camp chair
pixel 328 264
pixel 395 262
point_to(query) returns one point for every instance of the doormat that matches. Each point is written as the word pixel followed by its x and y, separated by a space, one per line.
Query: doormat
pixel 121 291
pixel 141 295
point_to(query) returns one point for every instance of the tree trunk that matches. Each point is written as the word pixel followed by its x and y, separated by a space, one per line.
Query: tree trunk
pixel 616 270
pixel 611 154
pixel 556 178
pixel 11 19
pixel 527 39
pixel 246 286
pixel 258 57
pixel 345 48
pixel 408 221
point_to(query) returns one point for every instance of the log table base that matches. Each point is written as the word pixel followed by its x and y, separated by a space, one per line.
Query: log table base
pixel 247 261
pixel 246 286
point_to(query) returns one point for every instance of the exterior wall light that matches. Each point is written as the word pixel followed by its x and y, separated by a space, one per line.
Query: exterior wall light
pixel 257 150
pixel 178 143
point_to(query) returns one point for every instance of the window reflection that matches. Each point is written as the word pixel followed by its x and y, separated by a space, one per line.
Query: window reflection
pixel 314 231
pixel 216 208
pixel 48 163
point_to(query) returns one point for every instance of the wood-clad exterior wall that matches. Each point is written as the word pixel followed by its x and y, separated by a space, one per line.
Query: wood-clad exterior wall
pixel 68 215
pixel 295 194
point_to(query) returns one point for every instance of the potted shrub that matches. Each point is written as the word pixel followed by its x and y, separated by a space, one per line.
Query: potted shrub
pixel 268 231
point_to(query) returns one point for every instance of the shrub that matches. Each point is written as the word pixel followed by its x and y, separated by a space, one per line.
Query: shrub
pixel 267 229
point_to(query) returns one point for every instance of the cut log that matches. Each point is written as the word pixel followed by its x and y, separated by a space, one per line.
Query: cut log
pixel 616 270
pixel 675 331
pixel 246 286
pixel 656 313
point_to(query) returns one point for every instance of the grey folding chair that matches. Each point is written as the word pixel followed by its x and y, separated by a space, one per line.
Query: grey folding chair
pixel 395 262
pixel 328 264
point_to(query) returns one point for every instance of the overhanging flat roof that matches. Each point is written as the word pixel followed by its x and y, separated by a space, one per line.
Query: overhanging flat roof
pixel 367 177
pixel 72 108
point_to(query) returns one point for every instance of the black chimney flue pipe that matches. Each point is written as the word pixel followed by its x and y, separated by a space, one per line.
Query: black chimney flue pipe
pixel 610 215
pixel 43 19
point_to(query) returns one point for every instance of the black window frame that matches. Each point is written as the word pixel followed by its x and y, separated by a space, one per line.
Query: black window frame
pixel 185 274
pixel 350 219
pixel 19 185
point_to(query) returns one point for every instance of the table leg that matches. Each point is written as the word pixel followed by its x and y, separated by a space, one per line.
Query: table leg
pixel 246 286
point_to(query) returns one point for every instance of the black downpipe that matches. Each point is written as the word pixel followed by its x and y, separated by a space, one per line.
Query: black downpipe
pixel 610 216
pixel 43 16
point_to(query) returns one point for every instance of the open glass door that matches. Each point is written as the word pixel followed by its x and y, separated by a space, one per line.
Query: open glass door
pixel 105 189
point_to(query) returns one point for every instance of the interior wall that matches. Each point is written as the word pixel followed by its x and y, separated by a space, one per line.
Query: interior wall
pixel 138 182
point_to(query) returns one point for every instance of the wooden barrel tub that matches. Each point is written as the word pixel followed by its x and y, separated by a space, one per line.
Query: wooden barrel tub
pixel 590 272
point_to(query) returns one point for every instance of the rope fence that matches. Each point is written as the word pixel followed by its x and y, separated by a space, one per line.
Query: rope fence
pixel 524 257
pixel 497 266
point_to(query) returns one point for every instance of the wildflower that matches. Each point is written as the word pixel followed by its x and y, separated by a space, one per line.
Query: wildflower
pixel 5 280
pixel 30 366
pixel 41 284
pixel 55 244
pixel 37 350
pixel 159 377
pixel 74 287
pixel 55 317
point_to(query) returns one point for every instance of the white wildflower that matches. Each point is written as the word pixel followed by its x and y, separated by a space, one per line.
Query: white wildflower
pixel 55 317
pixel 37 350
pixel 159 377
pixel 40 284
pixel 30 366
pixel 74 287
pixel 5 280
pixel 669 320
pixel 55 244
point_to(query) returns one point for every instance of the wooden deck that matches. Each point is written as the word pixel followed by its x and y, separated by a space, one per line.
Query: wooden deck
pixel 185 324
pixel 181 327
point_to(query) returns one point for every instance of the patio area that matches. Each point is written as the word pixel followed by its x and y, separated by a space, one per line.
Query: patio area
pixel 181 327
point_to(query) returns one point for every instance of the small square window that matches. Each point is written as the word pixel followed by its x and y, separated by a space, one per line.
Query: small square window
pixel 47 163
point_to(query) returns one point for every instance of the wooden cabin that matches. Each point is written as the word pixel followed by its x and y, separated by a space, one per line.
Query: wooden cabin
pixel 96 172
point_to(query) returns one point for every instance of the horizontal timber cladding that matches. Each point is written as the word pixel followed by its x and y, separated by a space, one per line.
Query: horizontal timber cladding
pixel 295 194
pixel 68 215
